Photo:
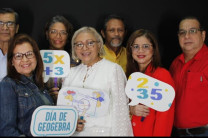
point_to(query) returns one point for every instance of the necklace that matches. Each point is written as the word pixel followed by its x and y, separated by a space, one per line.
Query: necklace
pixel 86 76
pixel 89 70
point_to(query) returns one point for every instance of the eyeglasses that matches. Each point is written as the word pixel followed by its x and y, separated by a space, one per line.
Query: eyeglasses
pixel 191 31
pixel 28 55
pixel 145 47
pixel 89 44
pixel 9 24
pixel 56 32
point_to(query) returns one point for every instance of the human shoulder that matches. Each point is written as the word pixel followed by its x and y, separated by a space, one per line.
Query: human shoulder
pixel 111 67
pixel 161 71
pixel 123 48
pixel 7 80
pixel 109 63
pixel 75 68
pixel 164 75
pixel 180 56
pixel 177 60
pixel 205 52
pixel 73 72
pixel 7 83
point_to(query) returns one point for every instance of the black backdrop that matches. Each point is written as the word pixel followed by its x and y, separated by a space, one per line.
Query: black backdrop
pixel 159 16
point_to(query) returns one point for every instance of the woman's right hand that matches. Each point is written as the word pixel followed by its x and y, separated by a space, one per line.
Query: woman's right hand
pixel 139 110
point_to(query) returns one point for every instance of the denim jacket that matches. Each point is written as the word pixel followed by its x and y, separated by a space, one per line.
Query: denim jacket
pixel 18 100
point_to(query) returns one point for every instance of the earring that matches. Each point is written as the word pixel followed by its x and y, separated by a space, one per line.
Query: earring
pixel 77 60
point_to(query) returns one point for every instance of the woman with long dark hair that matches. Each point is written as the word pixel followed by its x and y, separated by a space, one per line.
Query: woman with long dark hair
pixel 143 56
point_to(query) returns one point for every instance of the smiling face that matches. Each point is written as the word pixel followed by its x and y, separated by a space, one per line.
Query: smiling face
pixel 114 34
pixel 88 54
pixel 7 33
pixel 24 66
pixel 191 42
pixel 141 55
pixel 57 36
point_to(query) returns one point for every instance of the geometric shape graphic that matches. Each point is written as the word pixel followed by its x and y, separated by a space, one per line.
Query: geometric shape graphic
pixel 88 102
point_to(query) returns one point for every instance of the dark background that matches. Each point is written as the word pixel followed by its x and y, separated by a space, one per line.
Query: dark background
pixel 159 16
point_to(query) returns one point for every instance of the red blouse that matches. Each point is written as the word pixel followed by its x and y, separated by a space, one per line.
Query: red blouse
pixel 156 123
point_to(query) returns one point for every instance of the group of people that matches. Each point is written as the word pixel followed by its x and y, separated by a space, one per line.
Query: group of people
pixel 104 65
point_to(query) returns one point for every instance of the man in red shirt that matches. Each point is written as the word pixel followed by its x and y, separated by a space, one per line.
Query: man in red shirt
pixel 190 73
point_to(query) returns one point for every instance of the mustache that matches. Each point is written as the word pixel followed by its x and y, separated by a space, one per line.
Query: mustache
pixel 117 37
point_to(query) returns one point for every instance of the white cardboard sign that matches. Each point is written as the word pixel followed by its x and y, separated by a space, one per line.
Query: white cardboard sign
pixel 56 63
pixel 54 121
pixel 141 88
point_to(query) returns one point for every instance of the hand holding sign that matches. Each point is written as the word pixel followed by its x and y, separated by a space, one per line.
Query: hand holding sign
pixel 56 63
pixel 141 88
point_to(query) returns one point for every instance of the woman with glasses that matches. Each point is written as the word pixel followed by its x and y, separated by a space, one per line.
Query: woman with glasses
pixel 97 73
pixel 22 90
pixel 58 32
pixel 143 56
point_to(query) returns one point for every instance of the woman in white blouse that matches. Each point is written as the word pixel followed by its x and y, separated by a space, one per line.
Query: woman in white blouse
pixel 103 75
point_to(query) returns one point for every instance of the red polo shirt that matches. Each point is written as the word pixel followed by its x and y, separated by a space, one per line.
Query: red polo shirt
pixel 156 123
pixel 191 81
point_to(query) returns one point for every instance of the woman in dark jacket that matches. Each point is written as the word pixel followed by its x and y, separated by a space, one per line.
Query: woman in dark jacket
pixel 22 90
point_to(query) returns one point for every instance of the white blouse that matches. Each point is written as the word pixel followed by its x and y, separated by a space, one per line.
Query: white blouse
pixel 108 77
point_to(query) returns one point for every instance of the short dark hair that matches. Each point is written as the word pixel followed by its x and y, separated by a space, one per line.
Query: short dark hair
pixel 201 27
pixel 10 10
pixel 12 72
pixel 113 16
pixel 132 66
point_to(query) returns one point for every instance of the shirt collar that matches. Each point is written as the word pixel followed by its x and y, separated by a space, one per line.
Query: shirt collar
pixel 1 53
pixel 149 68
pixel 198 55
pixel 25 80
pixel 108 50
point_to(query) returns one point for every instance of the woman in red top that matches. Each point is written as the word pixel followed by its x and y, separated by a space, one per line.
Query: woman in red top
pixel 143 56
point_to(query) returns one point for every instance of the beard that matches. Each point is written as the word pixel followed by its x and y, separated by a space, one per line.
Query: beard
pixel 116 44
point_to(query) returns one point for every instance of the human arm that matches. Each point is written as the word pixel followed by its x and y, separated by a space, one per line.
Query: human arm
pixel 164 120
pixel 8 110
pixel 121 125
